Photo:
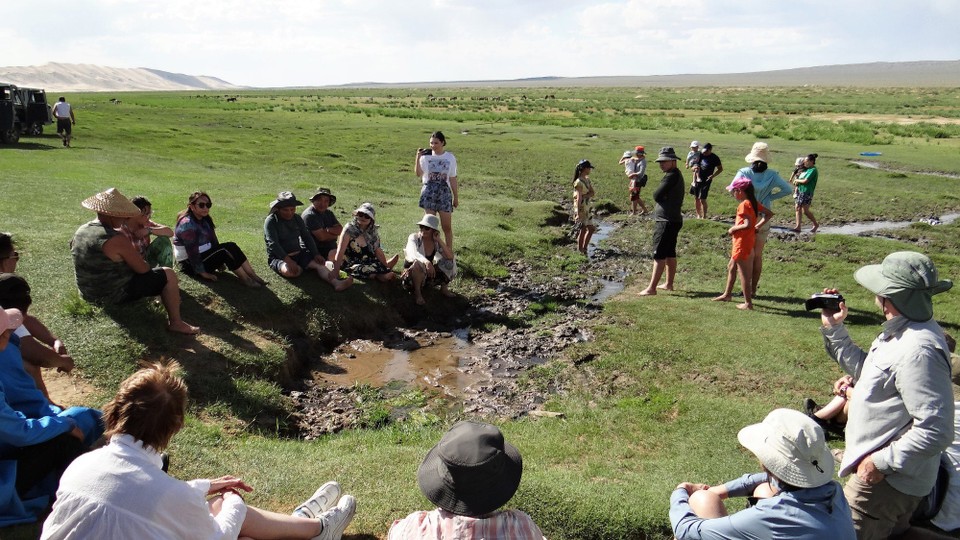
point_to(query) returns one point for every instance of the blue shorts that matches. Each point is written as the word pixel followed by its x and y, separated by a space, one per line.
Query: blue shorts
pixel 436 196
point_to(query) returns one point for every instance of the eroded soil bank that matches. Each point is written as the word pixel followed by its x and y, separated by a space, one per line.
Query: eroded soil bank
pixel 464 367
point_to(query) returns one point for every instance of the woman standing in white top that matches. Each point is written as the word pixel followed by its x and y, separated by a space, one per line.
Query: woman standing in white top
pixel 437 169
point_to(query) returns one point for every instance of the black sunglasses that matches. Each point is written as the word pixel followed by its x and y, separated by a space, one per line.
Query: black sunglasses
pixel 203 205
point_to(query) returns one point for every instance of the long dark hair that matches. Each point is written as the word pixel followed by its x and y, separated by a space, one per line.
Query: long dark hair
pixel 759 166
pixel 752 197
pixel 580 167
pixel 438 135
pixel 812 158
pixel 194 197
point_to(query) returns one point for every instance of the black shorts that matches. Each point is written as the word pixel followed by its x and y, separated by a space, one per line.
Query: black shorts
pixel 303 260
pixel 665 239
pixel 64 126
pixel 145 285
pixel 700 190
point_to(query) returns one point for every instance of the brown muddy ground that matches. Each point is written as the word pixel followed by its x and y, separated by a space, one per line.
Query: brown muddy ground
pixel 466 370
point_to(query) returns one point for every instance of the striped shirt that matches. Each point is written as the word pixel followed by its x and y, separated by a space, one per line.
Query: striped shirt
pixel 442 525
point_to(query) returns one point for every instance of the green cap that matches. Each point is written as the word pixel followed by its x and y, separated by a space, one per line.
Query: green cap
pixel 908 279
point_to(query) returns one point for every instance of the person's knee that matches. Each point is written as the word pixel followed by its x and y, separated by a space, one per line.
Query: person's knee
pixel 706 504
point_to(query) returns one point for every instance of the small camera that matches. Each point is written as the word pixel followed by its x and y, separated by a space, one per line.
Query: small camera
pixel 824 301
pixel 424 151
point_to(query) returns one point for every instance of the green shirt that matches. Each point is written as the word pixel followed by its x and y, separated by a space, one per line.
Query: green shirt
pixel 810 175
pixel 99 279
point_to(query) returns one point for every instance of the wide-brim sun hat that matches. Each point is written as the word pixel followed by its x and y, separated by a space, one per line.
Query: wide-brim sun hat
pixel 285 199
pixel 324 191
pixel 667 154
pixel 10 319
pixel 366 208
pixel 694 144
pixel 430 220
pixel 472 471
pixel 909 279
pixel 759 152
pixel 791 446
pixel 627 154
pixel 111 203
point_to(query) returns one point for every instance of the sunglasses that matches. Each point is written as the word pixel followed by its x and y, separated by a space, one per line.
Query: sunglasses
pixel 425 228
pixel 203 205
pixel 363 216
pixel 15 256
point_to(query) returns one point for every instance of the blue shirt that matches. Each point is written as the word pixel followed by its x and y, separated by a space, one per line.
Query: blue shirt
pixel 804 514
pixel 767 186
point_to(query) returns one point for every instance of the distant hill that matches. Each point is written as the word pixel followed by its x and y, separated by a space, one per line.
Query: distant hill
pixel 55 77
pixel 876 74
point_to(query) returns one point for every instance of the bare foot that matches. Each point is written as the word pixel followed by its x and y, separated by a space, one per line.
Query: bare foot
pixel 421 301
pixel 648 292
pixel 744 306
pixel 815 228
pixel 665 287
pixel 181 327
pixel 446 292
pixel 796 229
pixel 260 280
pixel 722 298
pixel 392 261
pixel 341 284
pixel 252 283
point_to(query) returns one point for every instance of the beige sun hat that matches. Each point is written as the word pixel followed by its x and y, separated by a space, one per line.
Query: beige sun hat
pixel 111 203
pixel 430 220
pixel 791 446
pixel 759 152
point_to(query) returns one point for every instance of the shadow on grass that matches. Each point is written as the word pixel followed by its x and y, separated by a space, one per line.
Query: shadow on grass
pixel 29 146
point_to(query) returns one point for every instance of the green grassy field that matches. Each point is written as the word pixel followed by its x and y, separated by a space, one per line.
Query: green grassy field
pixel 673 377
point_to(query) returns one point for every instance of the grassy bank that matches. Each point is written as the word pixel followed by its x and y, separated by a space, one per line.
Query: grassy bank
pixel 670 379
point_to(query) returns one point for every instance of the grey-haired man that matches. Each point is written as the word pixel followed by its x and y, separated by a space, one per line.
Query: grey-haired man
pixel 901 414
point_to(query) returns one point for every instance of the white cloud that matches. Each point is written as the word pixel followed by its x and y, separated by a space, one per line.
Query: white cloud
pixel 308 42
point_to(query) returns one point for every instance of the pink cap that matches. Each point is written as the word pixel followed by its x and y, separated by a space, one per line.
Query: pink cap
pixel 739 182
pixel 10 319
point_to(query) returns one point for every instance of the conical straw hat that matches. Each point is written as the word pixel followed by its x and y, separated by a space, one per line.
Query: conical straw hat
pixel 111 203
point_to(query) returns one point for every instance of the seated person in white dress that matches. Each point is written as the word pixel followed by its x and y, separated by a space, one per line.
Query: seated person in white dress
pixel 119 491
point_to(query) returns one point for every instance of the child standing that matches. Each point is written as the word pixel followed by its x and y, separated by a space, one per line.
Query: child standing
pixel 635 167
pixel 744 233
pixel 582 193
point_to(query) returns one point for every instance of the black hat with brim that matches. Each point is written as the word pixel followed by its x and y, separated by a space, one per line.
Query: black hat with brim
pixel 472 471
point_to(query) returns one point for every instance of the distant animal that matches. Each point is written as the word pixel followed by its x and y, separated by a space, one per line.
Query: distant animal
pixel 231 99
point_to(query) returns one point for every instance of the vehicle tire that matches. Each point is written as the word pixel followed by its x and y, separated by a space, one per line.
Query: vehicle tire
pixel 10 136
pixel 36 129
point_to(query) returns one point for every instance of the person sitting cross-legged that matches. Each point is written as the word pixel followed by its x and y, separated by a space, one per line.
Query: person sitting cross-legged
pixel 796 494
pixel 471 473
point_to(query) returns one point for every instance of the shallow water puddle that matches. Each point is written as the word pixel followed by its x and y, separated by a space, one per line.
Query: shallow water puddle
pixel 608 287
pixel 435 361
pixel 871 226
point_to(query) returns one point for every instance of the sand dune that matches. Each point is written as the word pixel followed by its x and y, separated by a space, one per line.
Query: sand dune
pixel 55 78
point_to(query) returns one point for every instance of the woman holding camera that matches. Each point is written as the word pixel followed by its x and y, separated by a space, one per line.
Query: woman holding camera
pixel 437 169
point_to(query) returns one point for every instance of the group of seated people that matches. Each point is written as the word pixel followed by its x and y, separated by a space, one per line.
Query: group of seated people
pixel 123 255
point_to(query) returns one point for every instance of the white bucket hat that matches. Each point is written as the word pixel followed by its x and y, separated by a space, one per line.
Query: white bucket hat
pixel 430 220
pixel 791 446
pixel 759 152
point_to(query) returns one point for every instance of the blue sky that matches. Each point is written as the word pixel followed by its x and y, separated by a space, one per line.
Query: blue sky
pixel 323 42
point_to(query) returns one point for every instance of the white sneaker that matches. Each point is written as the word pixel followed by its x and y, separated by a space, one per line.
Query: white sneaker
pixel 322 500
pixel 336 519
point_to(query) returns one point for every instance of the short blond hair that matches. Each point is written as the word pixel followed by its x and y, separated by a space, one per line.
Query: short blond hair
pixel 149 406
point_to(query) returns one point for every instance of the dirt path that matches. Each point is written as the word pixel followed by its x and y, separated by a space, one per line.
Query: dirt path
pixel 68 390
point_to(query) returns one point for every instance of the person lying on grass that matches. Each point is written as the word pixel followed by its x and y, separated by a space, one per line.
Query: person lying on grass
pixel 119 490
pixel 427 260
pixel 469 474
pixel 796 495
pixel 111 271
pixel 34 451
pixel 291 248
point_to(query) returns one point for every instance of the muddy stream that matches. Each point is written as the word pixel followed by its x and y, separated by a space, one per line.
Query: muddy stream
pixel 474 372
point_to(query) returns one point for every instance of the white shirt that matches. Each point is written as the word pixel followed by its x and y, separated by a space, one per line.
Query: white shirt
pixel 119 491
pixel 61 110
pixel 438 168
